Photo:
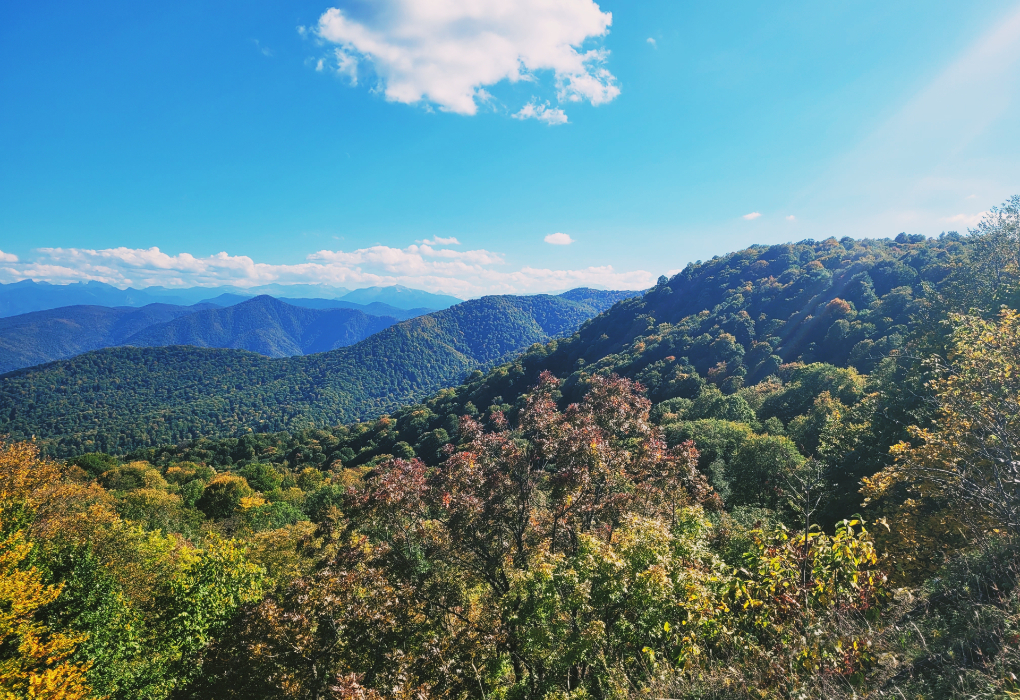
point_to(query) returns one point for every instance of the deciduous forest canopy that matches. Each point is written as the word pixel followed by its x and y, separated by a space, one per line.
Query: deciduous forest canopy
pixel 787 472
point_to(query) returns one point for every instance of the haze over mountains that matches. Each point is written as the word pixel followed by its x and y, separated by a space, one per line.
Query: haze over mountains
pixel 267 326
pixel 166 394
pixel 27 295
pixel 263 324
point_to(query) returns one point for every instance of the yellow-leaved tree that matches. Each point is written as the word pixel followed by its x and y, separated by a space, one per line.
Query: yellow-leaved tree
pixel 962 475
pixel 34 661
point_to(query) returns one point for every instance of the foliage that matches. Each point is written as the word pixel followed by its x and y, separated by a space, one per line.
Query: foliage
pixel 962 474
pixel 661 505
pixel 34 661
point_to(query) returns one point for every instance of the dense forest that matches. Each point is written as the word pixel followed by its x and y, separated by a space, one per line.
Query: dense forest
pixel 788 472
pixel 119 398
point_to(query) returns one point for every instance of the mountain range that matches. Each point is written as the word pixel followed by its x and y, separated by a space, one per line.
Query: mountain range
pixel 27 295
pixel 124 397
pixel 265 325
pixel 261 324
pixel 735 320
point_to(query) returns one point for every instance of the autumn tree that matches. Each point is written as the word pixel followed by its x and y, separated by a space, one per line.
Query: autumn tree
pixel 538 558
pixel 963 473
pixel 35 662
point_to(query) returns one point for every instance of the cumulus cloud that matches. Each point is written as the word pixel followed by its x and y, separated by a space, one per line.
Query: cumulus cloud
pixel 542 112
pixel 559 239
pixel 8 257
pixel 651 41
pixel 428 265
pixel 753 215
pixel 445 53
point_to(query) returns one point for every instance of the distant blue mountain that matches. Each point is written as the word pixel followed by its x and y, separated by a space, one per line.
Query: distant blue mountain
pixel 55 334
pixel 374 309
pixel 267 326
pixel 262 324
pixel 26 296
pixel 401 297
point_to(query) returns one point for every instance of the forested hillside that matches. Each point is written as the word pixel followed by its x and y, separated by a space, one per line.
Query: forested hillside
pixel 814 316
pixel 119 399
pixel 787 473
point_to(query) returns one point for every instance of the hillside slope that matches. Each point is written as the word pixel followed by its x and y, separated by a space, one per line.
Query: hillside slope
pixel 122 398
pixel 267 326
pixel 43 336
pixel 789 322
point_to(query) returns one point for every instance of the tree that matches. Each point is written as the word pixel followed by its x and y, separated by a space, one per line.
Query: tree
pixel 34 661
pixel 536 559
pixel 759 472
pixel 223 495
pixel 963 473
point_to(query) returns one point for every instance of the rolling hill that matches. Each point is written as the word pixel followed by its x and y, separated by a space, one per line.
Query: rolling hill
pixel 758 337
pixel 267 326
pixel 44 336
pixel 262 324
pixel 122 398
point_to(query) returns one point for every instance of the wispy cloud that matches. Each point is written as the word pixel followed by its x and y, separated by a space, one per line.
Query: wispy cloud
pixel 559 239
pixel 791 217
pixel 968 220
pixel 439 240
pixel 753 215
pixel 542 112
pixel 651 41
pixel 428 265
pixel 446 53
pixel 264 50
pixel 346 65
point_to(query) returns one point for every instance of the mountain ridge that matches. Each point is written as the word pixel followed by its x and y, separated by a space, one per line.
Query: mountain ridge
pixel 174 393
pixel 26 296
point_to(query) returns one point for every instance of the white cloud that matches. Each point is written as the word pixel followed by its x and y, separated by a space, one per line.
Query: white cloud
pixel 972 196
pixel 427 266
pixel 549 115
pixel 439 240
pixel 968 220
pixel 445 52
pixel 752 215
pixel 791 217
pixel 8 257
pixel 346 65
pixel 651 41
pixel 559 239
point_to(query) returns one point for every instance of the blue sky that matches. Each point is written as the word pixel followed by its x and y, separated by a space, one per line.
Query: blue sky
pixel 232 136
